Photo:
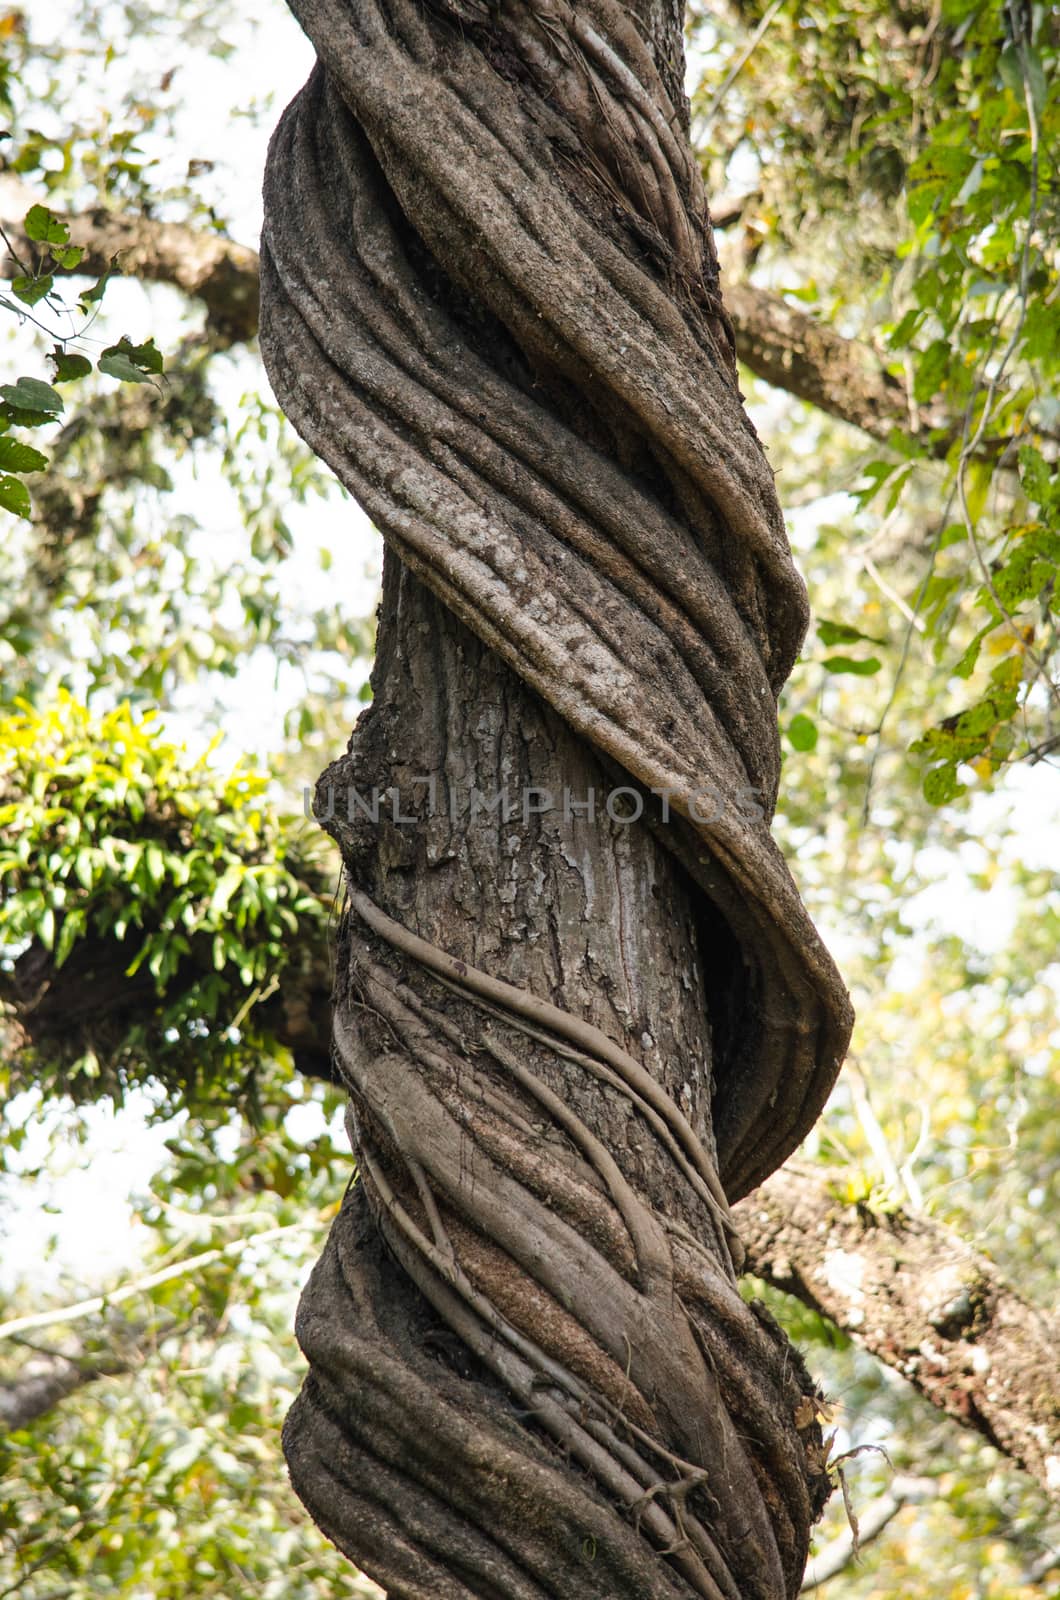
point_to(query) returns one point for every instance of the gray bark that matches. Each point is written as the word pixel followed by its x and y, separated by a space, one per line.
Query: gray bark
pixel 44 1382
pixel 776 341
pixel 490 301
pixel 920 1298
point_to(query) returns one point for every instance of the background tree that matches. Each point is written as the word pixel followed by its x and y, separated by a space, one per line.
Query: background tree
pixel 960 1000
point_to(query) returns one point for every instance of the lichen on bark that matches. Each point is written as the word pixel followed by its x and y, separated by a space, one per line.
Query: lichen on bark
pixel 490 301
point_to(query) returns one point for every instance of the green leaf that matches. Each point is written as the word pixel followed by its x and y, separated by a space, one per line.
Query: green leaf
pixel 72 925
pixel 905 328
pixel 861 669
pixel 23 419
pixel 1031 568
pixel 931 370
pixel 942 785
pixel 1041 484
pixel 876 473
pixel 155 863
pixel 68 258
pixel 83 869
pixel 972 183
pixel 147 356
pixel 30 394
pixel 226 887
pixel 132 363
pixel 979 475
pixel 1007 675
pixel 44 228
pixel 831 633
pixel 938 601
pixel 92 296
pixel 1009 71
pixel 966 665
pixel 119 366
pixel 802 732
pixel 30 289
pixel 18 457
pixel 140 957
pixel 1041 330
pixel 69 367
pixel 14 496
pixel 1037 81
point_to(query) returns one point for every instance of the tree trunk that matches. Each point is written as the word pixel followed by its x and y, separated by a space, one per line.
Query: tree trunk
pixel 579 1005
pixel 787 347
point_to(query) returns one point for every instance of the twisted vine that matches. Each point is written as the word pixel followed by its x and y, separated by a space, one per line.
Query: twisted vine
pixel 490 302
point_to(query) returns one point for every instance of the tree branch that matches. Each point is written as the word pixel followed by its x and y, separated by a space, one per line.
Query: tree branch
pixel 48 1376
pixel 53 1015
pixel 843 377
pixel 778 343
pixel 910 1291
pixel 221 273
pixel 836 1556
pixel 45 1380
pixel 63 1315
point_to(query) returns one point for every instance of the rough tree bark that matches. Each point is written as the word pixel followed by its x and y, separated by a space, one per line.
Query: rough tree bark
pixel 975 1348
pixel 490 302
pixel 775 340
pixel 916 1295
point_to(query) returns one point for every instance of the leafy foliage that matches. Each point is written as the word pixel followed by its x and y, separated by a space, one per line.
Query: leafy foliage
pixel 152 1482
pixel 30 402
pixel 934 136
pixel 124 857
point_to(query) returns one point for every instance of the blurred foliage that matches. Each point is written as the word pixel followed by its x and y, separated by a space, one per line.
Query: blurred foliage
pixel 903 169
pixel 900 172
pixel 154 1482
pixel 899 164
pixel 156 487
pixel 977 1530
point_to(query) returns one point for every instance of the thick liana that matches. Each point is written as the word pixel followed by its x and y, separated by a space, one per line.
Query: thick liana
pixel 579 1004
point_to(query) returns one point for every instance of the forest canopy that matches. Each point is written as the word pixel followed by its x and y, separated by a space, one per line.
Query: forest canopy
pixel 186 633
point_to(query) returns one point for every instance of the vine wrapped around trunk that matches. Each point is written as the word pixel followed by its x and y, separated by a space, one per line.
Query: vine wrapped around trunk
pixel 579 1005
